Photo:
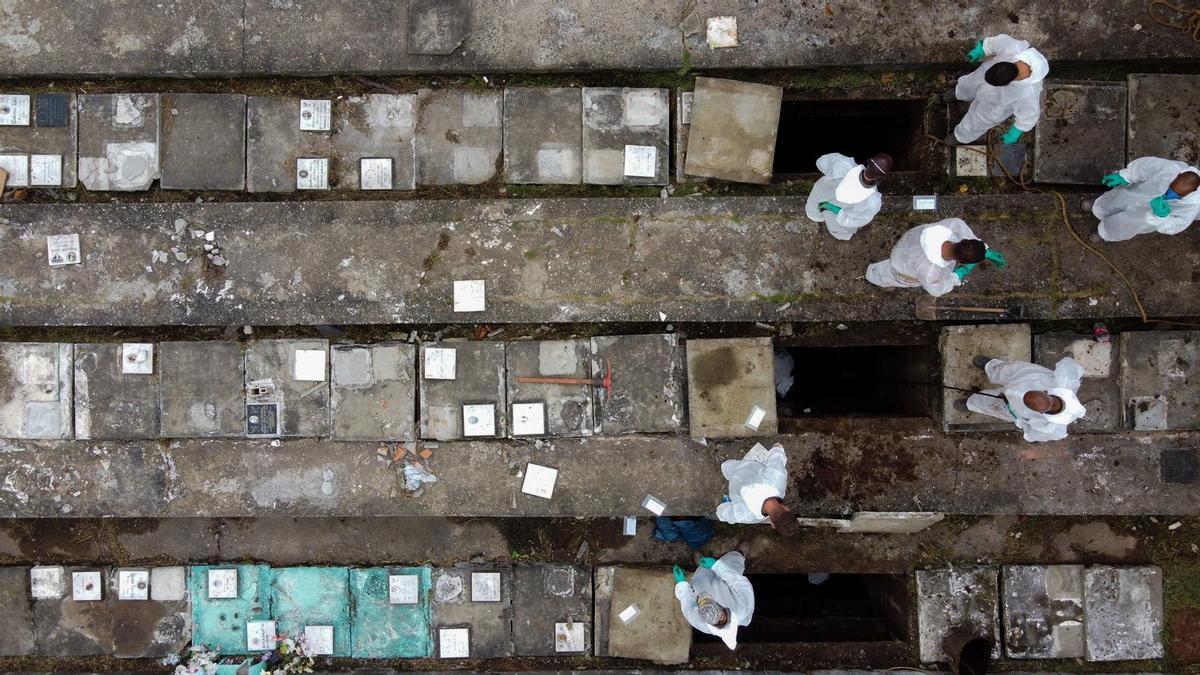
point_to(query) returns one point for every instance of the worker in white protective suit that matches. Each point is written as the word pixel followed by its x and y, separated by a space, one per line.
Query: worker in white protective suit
pixel 847 197
pixel 1007 84
pixel 1040 401
pixel 936 257
pixel 757 485
pixel 1152 194
pixel 720 597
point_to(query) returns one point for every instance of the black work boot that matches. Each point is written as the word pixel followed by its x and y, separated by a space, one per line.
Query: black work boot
pixel 961 405
pixel 982 361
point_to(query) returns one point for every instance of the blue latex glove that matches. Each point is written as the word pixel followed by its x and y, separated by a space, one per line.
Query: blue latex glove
pixel 707 562
pixel 976 54
pixel 679 574
pixel 963 270
pixel 1012 135
pixel 1171 195
pixel 1113 180
pixel 1160 207
pixel 829 206
pixel 996 257
pixel 725 499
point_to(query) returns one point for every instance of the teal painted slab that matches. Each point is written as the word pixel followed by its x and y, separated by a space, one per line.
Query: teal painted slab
pixel 221 623
pixel 312 596
pixel 386 631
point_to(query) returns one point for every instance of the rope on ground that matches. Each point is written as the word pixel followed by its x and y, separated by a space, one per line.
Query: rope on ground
pixel 1190 22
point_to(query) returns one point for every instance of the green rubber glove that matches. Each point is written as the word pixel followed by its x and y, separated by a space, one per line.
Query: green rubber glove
pixel 1160 207
pixel 679 577
pixel 707 562
pixel 829 206
pixel 1012 135
pixel 976 54
pixel 963 270
pixel 1113 180
pixel 996 257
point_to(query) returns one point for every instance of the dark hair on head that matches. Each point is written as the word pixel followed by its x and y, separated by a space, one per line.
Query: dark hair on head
pixel 786 524
pixel 1001 74
pixel 970 251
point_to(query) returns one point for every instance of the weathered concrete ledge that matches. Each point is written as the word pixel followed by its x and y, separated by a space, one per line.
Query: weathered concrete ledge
pixel 864 465
pixel 307 37
pixel 558 260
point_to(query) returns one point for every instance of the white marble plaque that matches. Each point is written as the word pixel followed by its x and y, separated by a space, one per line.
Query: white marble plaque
pixel 312 173
pixel 133 584
pixel 315 114
pixel 319 639
pixel 375 173
pixel 62 249
pixel 568 637
pixel 86 586
pixel 45 170
pixel 137 358
pixel 539 480
pixel 14 110
pixel 469 296
pixel 654 505
pixel 46 583
pixel 310 365
pixel 454 643
pixel 485 587
pixel 641 161
pixel 404 589
pixel 222 584
pixel 439 363
pixel 529 419
pixel 260 636
pixel 17 167
pixel 721 31
pixel 479 420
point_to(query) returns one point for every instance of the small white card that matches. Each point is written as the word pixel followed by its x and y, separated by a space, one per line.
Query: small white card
pixel 315 114
pixel 310 365
pixel 439 363
pixel 485 587
pixel 404 589
pixel 568 637
pixel 14 110
pixel 222 584
pixel 454 643
pixel 312 173
pixel 133 584
pixel 17 167
pixel 924 202
pixel 654 505
pixel 260 636
pixel 755 418
pixel 641 161
pixel 630 526
pixel 319 639
pixel 629 614
pixel 137 358
pixel 375 173
pixel 469 296
pixel 85 586
pixel 539 480
pixel 45 170
pixel 479 420
pixel 529 419
pixel 46 583
pixel 62 249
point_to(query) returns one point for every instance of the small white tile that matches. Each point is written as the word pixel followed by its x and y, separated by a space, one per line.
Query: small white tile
pixel 970 160
pixel 316 114
pixel 630 527
pixel 924 202
pixel 629 613
pixel 260 636
pixel 539 480
pixel 86 586
pixel 17 166
pixel 137 358
pixel 222 584
pixel 14 110
pixel 641 161
pixel 168 584
pixel 654 505
pixel 722 32
pixel 569 637
pixel 529 419
pixel 375 173
pixel 47 583
pixel 404 589
pixel 454 643
pixel 62 249
pixel 45 170
pixel 470 296
pixel 133 584
pixel 319 639
pixel 310 365
pixel 755 418
pixel 479 420
pixel 312 173
pixel 439 363
pixel 485 587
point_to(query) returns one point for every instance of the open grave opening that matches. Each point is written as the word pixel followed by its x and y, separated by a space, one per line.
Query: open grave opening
pixel 877 381
pixel 858 128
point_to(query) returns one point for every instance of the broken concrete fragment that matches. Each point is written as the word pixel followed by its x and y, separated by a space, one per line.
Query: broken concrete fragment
pixel 960 597
pixel 437 26
pixel 35 390
pixel 118 141
pixel 1124 613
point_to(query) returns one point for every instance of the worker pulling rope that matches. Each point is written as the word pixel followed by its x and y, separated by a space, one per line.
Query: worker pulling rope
pixel 1190 23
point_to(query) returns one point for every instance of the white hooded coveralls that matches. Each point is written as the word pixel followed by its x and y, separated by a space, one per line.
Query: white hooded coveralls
pixel 992 105
pixel 916 259
pixel 1018 377
pixel 750 484
pixel 727 584
pixel 1124 211
pixel 852 217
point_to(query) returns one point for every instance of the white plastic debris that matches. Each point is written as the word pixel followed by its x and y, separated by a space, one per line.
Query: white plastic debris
pixel 415 477
pixel 722 32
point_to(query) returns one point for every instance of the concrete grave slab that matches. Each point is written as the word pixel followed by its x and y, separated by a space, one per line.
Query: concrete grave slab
pixel 959 345
pixel 375 126
pixel 543 135
pixel 202 391
pixel 110 404
pixel 459 136
pixel 1160 379
pixel 682 121
pixel 618 118
pixel 1162 120
pixel 491 622
pixel 221 623
pixel 1043 611
pixel 545 594
pixel 53 132
pixel 312 596
pixel 147 628
pixel 1124 613
pixel 658 632
pixel 648 384
pixel 119 141
pixel 729 380
pixel 568 409
pixel 304 403
pixel 888 522
pixel 1081 134
pixel 479 380
pixel 203 141
pixel 1100 392
pixel 960 596
pixel 734 126
pixel 382 630
pixel 16 621
pixel 67 627
pixel 437 26
pixel 274 142
pixel 374 392
pixel 35 390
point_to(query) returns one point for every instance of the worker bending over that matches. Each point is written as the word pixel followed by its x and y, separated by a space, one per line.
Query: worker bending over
pixel 757 485
pixel 1007 84
pixel 1040 401
pixel 720 597
pixel 846 197
pixel 1152 194
pixel 936 257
